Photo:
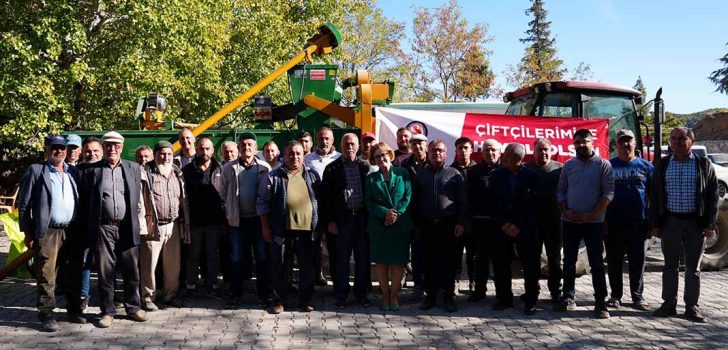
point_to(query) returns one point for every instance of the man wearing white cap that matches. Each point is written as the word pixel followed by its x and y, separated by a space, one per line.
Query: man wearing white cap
pixel 110 194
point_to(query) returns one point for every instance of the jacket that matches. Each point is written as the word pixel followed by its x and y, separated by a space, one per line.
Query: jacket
pixel 272 199
pixel 480 190
pixel 205 204
pixel 230 189
pixel 706 198
pixel 439 194
pixel 379 200
pixel 517 205
pixel 34 199
pixel 90 191
pixel 333 187
pixel 151 229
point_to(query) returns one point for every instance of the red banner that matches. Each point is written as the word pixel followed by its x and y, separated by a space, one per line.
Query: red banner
pixel 525 130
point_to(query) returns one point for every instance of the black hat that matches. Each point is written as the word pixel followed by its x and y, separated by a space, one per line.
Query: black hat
pixel 162 144
pixel 53 140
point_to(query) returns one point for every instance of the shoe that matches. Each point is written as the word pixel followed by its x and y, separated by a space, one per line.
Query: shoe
pixel 174 302
pixel 449 305
pixel 476 297
pixel 278 308
pixel 385 307
pixel 105 321
pixel 214 293
pixel 321 281
pixel 48 323
pixel 341 304
pixel 641 305
pixel 613 303
pixel 232 304
pixel 565 305
pixel 456 288
pixel 694 314
pixel 149 306
pixel 292 289
pixel 263 302
pixel 665 311
pixel 364 302
pixel 138 316
pixel 394 307
pixel 500 306
pixel 307 308
pixel 84 304
pixel 601 311
pixel 77 318
pixel 428 303
pixel 417 293
pixel 530 309
pixel 555 298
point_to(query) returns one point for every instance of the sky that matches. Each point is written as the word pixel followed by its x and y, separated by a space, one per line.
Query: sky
pixel 670 44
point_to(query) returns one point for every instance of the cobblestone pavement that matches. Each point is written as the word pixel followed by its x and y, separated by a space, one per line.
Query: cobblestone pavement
pixel 203 323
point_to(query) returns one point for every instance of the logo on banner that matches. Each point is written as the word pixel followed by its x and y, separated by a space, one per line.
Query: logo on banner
pixel 417 128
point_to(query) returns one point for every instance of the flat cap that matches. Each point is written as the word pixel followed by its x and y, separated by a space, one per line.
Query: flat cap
pixel 417 138
pixel 162 144
pixel 113 137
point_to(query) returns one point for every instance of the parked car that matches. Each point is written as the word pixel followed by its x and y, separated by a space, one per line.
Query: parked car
pixel 719 158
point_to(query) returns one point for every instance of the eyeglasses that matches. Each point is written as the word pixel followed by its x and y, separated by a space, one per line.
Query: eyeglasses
pixel 112 145
pixel 380 155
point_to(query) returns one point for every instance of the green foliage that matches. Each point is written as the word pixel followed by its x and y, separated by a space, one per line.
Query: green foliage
pixel 474 80
pixel 719 77
pixel 441 44
pixel 640 86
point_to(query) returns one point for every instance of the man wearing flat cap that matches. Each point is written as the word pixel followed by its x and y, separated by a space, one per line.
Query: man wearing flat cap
pixel 240 179
pixel 110 195
pixel 167 223
pixel 48 204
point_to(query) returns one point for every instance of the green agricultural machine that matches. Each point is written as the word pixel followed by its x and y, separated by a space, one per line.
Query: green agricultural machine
pixel 316 94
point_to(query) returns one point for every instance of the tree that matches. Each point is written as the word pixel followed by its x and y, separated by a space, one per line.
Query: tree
pixel 476 78
pixel 719 77
pixel 539 63
pixel 640 86
pixel 442 40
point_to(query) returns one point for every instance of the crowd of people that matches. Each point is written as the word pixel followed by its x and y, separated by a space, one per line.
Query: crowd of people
pixel 253 215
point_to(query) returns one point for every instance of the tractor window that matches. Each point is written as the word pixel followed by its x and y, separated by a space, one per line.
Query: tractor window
pixel 522 106
pixel 618 109
pixel 557 105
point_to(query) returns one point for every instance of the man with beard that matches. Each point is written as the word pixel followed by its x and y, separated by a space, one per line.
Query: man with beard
pixel 167 223
pixel 203 181
pixel 440 211
pixel 549 216
pixel 586 186
pixel 288 210
pixel 324 154
pixel 403 145
pixel 483 227
pixel 48 204
pixel 110 192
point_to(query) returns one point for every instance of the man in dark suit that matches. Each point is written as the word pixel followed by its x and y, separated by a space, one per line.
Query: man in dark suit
pixel 110 191
pixel 345 213
pixel 48 204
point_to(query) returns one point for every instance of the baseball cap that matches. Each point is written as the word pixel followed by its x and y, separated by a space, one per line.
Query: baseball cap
pixel 368 135
pixel 113 137
pixel 73 140
pixel 162 144
pixel 248 136
pixel 625 133
pixel 53 140
pixel 417 138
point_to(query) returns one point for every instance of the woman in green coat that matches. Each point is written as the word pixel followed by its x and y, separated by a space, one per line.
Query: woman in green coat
pixel 387 194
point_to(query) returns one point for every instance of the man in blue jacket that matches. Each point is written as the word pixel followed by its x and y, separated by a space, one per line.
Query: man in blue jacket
pixel 48 204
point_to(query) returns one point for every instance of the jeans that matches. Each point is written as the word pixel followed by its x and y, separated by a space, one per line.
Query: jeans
pixel 281 257
pixel 86 274
pixel 680 235
pixel 593 236
pixel 352 237
pixel 629 238
pixel 246 242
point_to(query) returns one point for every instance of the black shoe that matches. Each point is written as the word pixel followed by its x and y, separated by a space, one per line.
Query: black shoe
pixel 292 289
pixel 601 311
pixel 214 293
pixel 341 304
pixel 614 303
pixel 76 317
pixel 233 303
pixel 174 302
pixel 555 298
pixel 694 314
pixel 665 311
pixel 530 309
pixel 428 303
pixel 565 305
pixel 321 281
pixel 500 306
pixel 48 323
pixel 476 297
pixel 364 302
pixel 264 302
pixel 449 305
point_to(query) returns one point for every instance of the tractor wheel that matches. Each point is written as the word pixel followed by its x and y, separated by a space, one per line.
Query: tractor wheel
pixel 716 247
pixel 721 189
